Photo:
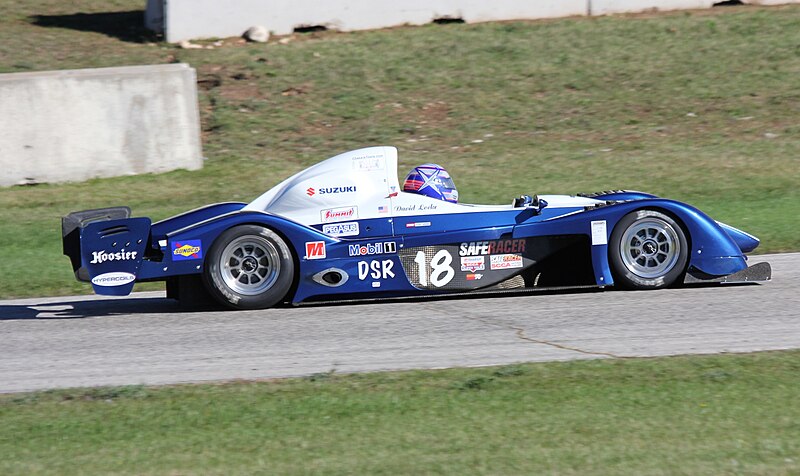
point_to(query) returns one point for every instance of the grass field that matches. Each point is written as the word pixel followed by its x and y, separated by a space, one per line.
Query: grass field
pixel 711 415
pixel 697 106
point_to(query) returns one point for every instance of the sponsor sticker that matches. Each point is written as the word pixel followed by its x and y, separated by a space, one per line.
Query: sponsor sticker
pixel 477 248
pixel 315 250
pixel 373 249
pixel 116 278
pixel 103 256
pixel 311 191
pixel 368 163
pixel 418 224
pixel 506 261
pixel 186 250
pixel 472 263
pixel 474 277
pixel 599 233
pixel 375 269
pixel 338 214
pixel 341 229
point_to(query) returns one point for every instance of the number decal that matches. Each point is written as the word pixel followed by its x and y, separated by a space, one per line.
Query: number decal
pixel 440 264
pixel 421 268
pixel 441 271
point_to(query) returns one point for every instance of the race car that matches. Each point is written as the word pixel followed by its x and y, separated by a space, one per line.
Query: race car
pixel 346 229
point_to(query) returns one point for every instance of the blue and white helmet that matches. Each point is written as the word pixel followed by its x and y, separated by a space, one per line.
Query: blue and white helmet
pixel 433 181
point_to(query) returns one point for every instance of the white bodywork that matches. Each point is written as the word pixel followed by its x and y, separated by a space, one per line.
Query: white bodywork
pixel 363 184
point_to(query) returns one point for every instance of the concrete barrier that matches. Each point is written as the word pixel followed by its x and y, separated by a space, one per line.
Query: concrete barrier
pixel 188 19
pixel 74 125
pixel 607 7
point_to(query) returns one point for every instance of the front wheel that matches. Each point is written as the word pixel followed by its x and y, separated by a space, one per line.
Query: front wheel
pixel 648 250
pixel 249 267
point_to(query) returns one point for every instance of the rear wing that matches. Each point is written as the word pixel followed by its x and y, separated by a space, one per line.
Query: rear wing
pixel 106 247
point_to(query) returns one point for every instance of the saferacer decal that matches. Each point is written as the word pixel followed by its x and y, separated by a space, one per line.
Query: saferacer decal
pixel 338 214
pixel 315 250
pixel 476 248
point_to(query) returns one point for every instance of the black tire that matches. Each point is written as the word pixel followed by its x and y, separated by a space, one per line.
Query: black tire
pixel 647 250
pixel 249 267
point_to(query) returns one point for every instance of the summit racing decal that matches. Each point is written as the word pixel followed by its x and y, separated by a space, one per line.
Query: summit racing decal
pixel 477 248
pixel 373 249
pixel 186 250
pixel 338 214
pixel 121 255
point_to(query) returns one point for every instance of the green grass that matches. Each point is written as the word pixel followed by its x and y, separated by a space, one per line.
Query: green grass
pixel 696 106
pixel 734 414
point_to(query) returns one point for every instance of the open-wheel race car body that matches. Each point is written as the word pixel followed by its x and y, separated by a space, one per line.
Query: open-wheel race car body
pixel 345 229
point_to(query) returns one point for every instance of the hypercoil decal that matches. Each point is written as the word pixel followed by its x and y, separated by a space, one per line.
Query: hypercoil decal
pixel 444 267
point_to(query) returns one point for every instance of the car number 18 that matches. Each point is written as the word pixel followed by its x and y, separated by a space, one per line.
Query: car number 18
pixel 441 272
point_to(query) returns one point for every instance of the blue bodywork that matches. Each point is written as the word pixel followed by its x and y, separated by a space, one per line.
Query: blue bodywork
pixel 134 250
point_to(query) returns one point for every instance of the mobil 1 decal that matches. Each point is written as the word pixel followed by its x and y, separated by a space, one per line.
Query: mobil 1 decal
pixel 466 265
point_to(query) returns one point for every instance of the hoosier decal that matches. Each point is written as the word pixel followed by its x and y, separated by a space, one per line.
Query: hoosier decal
pixel 103 256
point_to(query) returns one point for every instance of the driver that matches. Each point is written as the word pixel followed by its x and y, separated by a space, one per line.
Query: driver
pixel 433 181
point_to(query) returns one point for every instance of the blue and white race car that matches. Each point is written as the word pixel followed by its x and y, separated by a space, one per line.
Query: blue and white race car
pixel 346 229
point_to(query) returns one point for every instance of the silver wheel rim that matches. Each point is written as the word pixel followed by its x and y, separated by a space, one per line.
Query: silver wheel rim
pixel 250 265
pixel 650 248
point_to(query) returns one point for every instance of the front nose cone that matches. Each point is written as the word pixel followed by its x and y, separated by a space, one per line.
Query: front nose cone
pixel 745 241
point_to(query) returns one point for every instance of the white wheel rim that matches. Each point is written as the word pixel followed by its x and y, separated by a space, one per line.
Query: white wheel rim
pixel 650 248
pixel 250 265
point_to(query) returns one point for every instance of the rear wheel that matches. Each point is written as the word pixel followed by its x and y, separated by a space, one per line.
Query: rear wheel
pixel 249 267
pixel 648 250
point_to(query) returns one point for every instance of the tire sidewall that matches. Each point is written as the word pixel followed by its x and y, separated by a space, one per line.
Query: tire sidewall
pixel 214 282
pixel 625 277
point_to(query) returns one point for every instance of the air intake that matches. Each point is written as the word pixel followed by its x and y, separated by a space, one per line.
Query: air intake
pixel 331 277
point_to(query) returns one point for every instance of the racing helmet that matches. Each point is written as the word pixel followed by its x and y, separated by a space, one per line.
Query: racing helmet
pixel 433 181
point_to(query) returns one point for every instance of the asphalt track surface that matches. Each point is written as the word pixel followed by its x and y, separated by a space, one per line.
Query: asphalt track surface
pixel 147 339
